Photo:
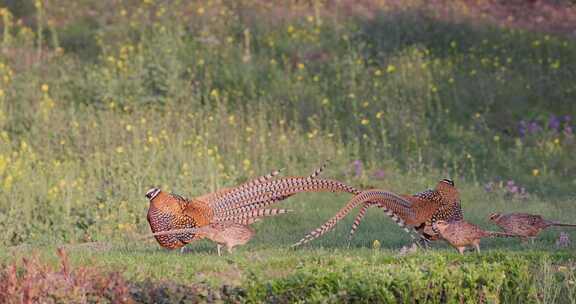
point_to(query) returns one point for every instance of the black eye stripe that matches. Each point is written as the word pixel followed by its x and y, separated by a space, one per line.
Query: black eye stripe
pixel 448 181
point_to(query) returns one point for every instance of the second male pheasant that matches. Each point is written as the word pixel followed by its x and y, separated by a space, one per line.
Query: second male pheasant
pixel 451 209
pixel 418 212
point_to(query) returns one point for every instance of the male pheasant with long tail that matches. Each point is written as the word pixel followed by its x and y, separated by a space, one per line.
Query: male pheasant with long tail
pixel 238 205
pixel 451 209
pixel 419 211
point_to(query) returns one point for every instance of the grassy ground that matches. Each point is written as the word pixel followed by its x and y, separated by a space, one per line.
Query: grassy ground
pixel 145 259
pixel 140 262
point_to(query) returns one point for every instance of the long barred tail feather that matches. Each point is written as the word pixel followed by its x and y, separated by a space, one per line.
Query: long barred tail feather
pixel 501 234
pixel 259 180
pixel 269 198
pixel 414 234
pixel 319 170
pixel 173 231
pixel 258 213
pixel 563 224
pixel 255 202
pixel 358 220
pixel 281 187
pixel 393 205
pixel 244 195
pixel 243 219
pixel 238 192
pixel 245 186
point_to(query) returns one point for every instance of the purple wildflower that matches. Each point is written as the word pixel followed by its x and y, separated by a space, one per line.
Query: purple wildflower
pixel 522 128
pixel 563 240
pixel 379 174
pixel 554 123
pixel 534 127
pixel 567 118
pixel 489 187
pixel 568 130
pixel 357 167
pixel 511 187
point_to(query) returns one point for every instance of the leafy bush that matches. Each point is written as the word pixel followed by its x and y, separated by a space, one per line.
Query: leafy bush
pixel 441 281
pixel 36 282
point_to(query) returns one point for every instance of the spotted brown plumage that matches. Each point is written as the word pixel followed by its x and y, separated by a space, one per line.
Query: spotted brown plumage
pixel 417 211
pixel 524 224
pixel 451 209
pixel 461 234
pixel 228 235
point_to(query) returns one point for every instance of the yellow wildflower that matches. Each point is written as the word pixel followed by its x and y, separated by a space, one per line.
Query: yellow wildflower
pixel 246 163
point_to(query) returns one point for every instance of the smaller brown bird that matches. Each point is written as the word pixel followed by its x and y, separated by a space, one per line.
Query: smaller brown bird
pixel 223 234
pixel 227 235
pixel 525 225
pixel 460 234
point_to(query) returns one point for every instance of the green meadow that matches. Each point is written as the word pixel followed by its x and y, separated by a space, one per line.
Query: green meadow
pixel 99 101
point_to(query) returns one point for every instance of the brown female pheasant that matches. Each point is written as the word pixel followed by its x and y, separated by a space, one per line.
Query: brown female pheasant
pixel 229 235
pixel 449 212
pixel 523 224
pixel 417 211
pixel 461 234
pixel 242 204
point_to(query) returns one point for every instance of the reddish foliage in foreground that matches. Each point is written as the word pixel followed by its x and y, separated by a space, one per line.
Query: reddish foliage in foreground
pixel 35 282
